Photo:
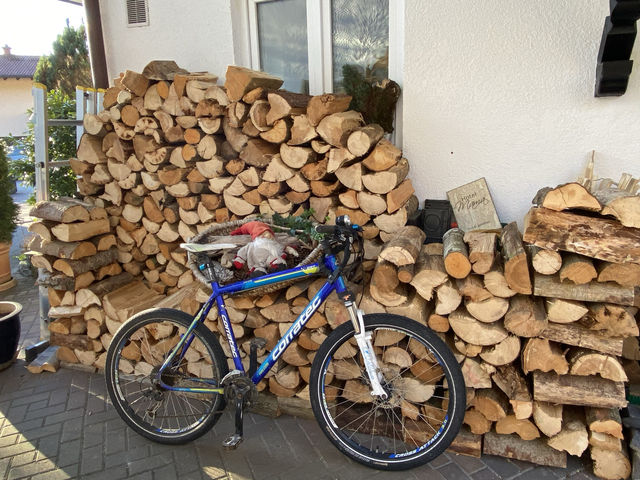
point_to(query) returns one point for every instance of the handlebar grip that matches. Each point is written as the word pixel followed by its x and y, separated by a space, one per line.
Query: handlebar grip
pixel 325 228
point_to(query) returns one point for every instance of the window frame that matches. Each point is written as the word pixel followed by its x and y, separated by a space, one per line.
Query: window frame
pixel 320 47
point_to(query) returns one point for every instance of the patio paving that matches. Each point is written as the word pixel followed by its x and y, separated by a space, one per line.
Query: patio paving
pixel 61 425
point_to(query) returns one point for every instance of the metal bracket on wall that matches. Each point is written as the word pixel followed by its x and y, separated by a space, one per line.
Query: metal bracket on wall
pixel 619 33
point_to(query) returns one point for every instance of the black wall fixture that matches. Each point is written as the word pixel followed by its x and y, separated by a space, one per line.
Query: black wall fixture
pixel 619 34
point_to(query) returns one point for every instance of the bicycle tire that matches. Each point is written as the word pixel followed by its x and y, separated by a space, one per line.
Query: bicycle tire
pixel 136 331
pixel 409 449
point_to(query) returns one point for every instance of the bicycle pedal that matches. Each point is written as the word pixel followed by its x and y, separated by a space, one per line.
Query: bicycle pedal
pixel 232 442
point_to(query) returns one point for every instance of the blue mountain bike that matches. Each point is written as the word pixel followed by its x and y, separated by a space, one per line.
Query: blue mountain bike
pixel 386 390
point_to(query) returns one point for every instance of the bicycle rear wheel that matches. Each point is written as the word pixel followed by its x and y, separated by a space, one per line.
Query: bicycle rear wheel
pixel 135 355
pixel 426 394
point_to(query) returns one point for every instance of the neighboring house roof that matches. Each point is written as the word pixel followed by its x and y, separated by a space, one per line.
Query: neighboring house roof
pixel 18 66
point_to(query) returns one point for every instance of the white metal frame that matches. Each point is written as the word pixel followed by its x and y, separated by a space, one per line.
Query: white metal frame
pixel 320 47
pixel 88 100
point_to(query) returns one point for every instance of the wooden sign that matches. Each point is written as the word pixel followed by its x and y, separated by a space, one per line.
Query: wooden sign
pixel 473 207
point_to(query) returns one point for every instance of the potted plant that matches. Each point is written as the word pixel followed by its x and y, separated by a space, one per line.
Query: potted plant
pixel 9 332
pixel 8 216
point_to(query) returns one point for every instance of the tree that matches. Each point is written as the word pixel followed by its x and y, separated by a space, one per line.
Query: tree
pixel 62 146
pixel 68 65
pixel 8 209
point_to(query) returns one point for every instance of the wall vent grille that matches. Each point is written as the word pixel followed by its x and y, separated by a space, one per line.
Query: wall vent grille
pixel 137 13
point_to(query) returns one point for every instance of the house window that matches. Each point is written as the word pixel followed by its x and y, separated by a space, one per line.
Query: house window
pixel 282 41
pixel 359 40
pixel 310 44
pixel 137 13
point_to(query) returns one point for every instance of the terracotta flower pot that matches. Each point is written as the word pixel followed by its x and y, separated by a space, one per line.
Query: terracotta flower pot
pixel 9 332
pixel 5 266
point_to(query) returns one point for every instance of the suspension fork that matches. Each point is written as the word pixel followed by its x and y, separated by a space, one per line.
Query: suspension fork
pixel 363 338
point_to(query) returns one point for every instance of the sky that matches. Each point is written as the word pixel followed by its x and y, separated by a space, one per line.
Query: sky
pixel 29 27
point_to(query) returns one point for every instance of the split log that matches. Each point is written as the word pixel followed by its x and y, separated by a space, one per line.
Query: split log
pixel 540 354
pixel 524 428
pixel 510 380
pixel 526 316
pixel 399 196
pixel 73 232
pixel 567 197
pixel 404 247
pixel 475 376
pixel 472 331
pixel 575 390
pixel 384 156
pixel 489 310
pixel 502 353
pixel 477 422
pixel 625 274
pixel 73 268
pixel 240 80
pixel 258 153
pixel 385 182
pixel 593 237
pixel 564 311
pixel 361 141
pixel 621 205
pixel 610 464
pixel 351 177
pixel 456 257
pixel 322 105
pixel 516 269
pixel 544 261
pixel 284 104
pixel 585 362
pixel 496 283
pixel 302 131
pixel 60 211
pixel 551 286
pixel 385 287
pixel 492 403
pixel 534 451
pixel 548 417
pixel 613 320
pixel 577 269
pixel 471 287
pixel 604 420
pixel 604 441
pixel 447 298
pixel 482 250
pixel 576 335
pixel 573 437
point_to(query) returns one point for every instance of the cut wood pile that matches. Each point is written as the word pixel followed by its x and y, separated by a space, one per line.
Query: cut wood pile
pixel 173 153
pixel 543 328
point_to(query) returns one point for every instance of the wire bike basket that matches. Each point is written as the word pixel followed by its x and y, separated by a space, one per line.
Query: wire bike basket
pixel 219 233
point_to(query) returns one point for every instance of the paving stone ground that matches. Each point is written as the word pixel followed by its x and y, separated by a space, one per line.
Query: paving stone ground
pixel 58 426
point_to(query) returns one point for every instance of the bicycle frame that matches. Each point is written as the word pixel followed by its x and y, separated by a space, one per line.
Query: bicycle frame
pixel 291 334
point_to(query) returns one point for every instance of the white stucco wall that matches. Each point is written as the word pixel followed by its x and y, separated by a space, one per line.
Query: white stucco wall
pixel 503 89
pixel 195 33
pixel 15 99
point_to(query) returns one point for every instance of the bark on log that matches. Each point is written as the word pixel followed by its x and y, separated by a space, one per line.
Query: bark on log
pixel 516 268
pixel 534 451
pixel 482 250
pixel 456 257
pixel 526 316
pixel 405 246
pixel 240 80
pixel 620 204
pixel 540 354
pixel 590 236
pixel 551 286
pixel 573 437
pixel 586 362
pixel 576 335
pixel 577 269
pixel 575 390
pixel 548 417
pixel 544 261
pixel 567 197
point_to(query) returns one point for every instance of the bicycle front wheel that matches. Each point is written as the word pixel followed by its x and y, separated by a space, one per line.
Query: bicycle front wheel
pixel 135 355
pixel 425 402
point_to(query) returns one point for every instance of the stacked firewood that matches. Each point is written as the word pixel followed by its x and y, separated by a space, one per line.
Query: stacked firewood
pixel 74 246
pixel 174 152
pixel 544 360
